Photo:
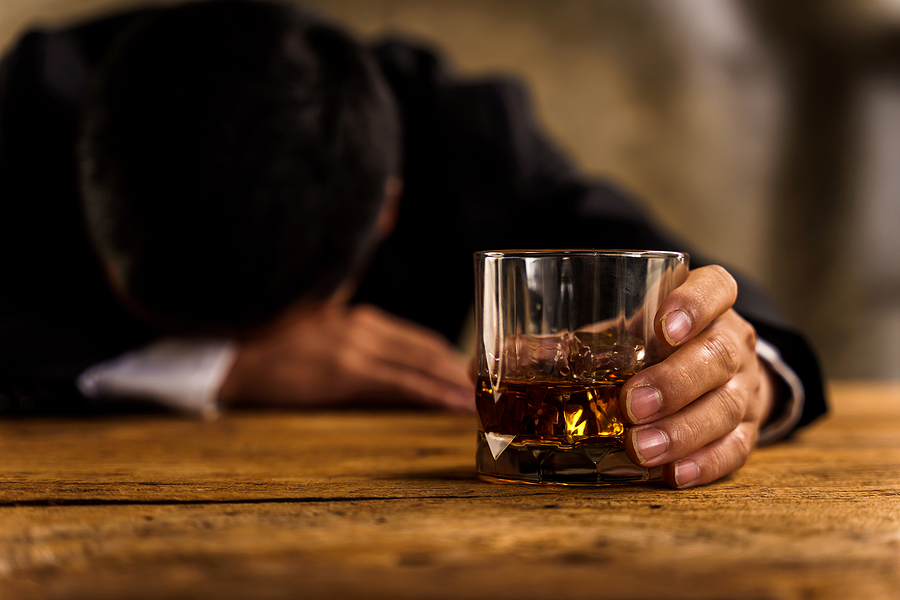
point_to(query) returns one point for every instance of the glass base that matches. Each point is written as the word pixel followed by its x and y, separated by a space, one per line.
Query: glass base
pixel 591 462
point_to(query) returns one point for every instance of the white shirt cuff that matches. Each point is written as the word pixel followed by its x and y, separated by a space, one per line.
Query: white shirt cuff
pixel 183 374
pixel 791 408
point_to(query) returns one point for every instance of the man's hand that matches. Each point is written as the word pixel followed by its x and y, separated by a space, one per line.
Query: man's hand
pixel 698 412
pixel 334 354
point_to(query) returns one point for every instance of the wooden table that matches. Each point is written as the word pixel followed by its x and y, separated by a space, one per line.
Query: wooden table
pixel 388 506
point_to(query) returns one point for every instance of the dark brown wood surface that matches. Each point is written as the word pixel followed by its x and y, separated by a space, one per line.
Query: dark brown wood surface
pixel 388 506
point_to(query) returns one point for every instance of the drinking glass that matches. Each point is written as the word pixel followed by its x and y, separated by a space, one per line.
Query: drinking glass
pixel 559 332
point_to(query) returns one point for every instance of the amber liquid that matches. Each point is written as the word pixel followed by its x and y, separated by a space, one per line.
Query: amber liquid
pixel 553 413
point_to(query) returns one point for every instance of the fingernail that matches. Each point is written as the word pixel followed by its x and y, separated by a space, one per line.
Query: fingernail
pixel 686 472
pixel 649 443
pixel 676 327
pixel 642 402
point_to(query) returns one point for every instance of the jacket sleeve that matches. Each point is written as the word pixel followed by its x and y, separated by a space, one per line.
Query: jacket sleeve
pixel 477 146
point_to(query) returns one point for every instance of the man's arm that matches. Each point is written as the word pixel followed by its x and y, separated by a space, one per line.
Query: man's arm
pixel 699 412
pixel 480 160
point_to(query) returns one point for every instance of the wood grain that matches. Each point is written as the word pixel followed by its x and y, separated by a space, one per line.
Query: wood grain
pixel 388 506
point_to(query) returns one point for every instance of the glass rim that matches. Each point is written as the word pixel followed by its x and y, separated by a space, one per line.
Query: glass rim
pixel 579 252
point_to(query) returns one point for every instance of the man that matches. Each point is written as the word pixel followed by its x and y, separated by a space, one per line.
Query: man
pixel 234 202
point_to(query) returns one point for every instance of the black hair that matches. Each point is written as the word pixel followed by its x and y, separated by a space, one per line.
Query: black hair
pixel 234 157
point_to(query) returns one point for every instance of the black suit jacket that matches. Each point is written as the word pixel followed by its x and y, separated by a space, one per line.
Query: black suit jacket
pixel 479 174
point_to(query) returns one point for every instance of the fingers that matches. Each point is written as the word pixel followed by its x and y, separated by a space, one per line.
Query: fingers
pixel 706 293
pixel 709 439
pixel 394 382
pixel 326 355
pixel 709 418
pixel 399 359
pixel 721 457
pixel 697 413
pixel 706 362
pixel 396 341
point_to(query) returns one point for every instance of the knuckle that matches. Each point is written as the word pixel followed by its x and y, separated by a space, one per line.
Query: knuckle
pixel 352 334
pixel 690 434
pixel 724 278
pixel 746 331
pixel 731 403
pixel 685 380
pixel 362 314
pixel 721 351
pixel 745 441
pixel 349 361
pixel 735 454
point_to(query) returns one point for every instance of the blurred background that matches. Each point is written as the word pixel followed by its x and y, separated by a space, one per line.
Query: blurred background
pixel 767 133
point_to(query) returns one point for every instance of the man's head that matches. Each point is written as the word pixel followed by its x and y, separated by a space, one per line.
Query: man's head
pixel 235 158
